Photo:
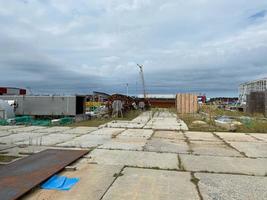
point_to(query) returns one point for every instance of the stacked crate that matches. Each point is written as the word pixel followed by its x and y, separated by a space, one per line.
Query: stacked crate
pixel 186 103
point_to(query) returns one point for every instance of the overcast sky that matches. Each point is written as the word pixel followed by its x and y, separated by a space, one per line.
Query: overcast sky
pixel 78 46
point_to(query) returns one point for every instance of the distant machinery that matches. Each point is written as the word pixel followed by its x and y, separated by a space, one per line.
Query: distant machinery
pixel 143 80
pixel 245 89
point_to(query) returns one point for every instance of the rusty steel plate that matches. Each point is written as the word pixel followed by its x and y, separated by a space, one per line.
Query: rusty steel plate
pixel 21 176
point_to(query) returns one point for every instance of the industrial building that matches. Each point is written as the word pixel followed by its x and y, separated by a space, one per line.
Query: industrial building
pixel 257 103
pixel 245 89
pixel 55 106
pixel 12 91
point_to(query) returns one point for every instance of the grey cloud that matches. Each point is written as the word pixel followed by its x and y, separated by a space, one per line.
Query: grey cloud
pixel 79 46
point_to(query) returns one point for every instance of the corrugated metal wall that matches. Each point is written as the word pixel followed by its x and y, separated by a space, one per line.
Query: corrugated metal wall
pixel 48 105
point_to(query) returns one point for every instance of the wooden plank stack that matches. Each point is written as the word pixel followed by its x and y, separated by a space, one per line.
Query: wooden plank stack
pixel 186 103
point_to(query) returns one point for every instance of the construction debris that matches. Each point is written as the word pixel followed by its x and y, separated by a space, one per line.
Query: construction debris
pixel 21 176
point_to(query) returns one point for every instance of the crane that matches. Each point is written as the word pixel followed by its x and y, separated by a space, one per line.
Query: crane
pixel 143 79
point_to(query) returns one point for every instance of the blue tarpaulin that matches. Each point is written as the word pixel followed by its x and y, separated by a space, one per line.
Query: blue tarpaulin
pixel 59 183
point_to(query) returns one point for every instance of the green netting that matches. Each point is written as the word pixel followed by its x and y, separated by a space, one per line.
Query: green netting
pixel 66 120
pixel 41 122
pixel 24 120
pixel 28 120
pixel 3 122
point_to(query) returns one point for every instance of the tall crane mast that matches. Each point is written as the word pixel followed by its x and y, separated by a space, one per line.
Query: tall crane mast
pixel 143 79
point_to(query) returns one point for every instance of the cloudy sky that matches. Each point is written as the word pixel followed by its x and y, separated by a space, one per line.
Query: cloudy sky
pixel 78 46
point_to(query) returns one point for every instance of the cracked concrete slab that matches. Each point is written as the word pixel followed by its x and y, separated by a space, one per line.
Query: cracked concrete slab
pixel 4 147
pixel 170 123
pixel 134 158
pixel 27 129
pixel 204 136
pixel 213 148
pixel 48 140
pixel 169 135
pixel 80 130
pixel 94 181
pixel 167 145
pixel 5 133
pixel 125 124
pixel 237 187
pixel 24 150
pixel 54 129
pixel 107 131
pixel 140 133
pixel 9 128
pixel 236 137
pixel 251 149
pixel 14 138
pixel 125 143
pixel 152 184
pixel 224 164
pixel 86 141
pixel 260 136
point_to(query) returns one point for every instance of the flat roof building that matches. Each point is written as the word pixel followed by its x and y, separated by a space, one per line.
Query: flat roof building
pixel 245 89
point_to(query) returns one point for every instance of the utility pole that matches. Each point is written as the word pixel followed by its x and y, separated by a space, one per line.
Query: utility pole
pixel 127 89
pixel 143 79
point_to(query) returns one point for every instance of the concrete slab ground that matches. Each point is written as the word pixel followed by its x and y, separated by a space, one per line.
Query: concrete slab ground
pixel 86 141
pixel 134 158
pixel 175 135
pixel 143 117
pixel 80 130
pixel 27 129
pixel 236 137
pixel 225 164
pixel 213 148
pixel 125 124
pixel 48 140
pixel 9 128
pixel 138 122
pixel 237 187
pixel 107 131
pixel 24 150
pixel 140 133
pixel 166 145
pixel 152 185
pixel 166 124
pixel 14 138
pixel 262 137
pixel 125 143
pixel 4 146
pixel 5 133
pixel 251 149
pixel 54 129
pixel 204 136
pixel 94 181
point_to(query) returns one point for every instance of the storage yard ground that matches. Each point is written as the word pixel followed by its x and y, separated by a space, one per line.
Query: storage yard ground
pixel 153 156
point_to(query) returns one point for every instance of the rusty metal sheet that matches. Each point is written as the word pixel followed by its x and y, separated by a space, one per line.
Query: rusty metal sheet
pixel 21 176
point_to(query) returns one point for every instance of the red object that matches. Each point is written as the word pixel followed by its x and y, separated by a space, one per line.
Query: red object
pixel 22 92
pixel 203 99
pixel 3 90
pixel 12 91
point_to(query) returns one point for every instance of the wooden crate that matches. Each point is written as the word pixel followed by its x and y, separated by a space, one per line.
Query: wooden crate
pixel 186 103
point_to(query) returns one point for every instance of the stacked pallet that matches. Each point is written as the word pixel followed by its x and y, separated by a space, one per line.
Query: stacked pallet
pixel 186 103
